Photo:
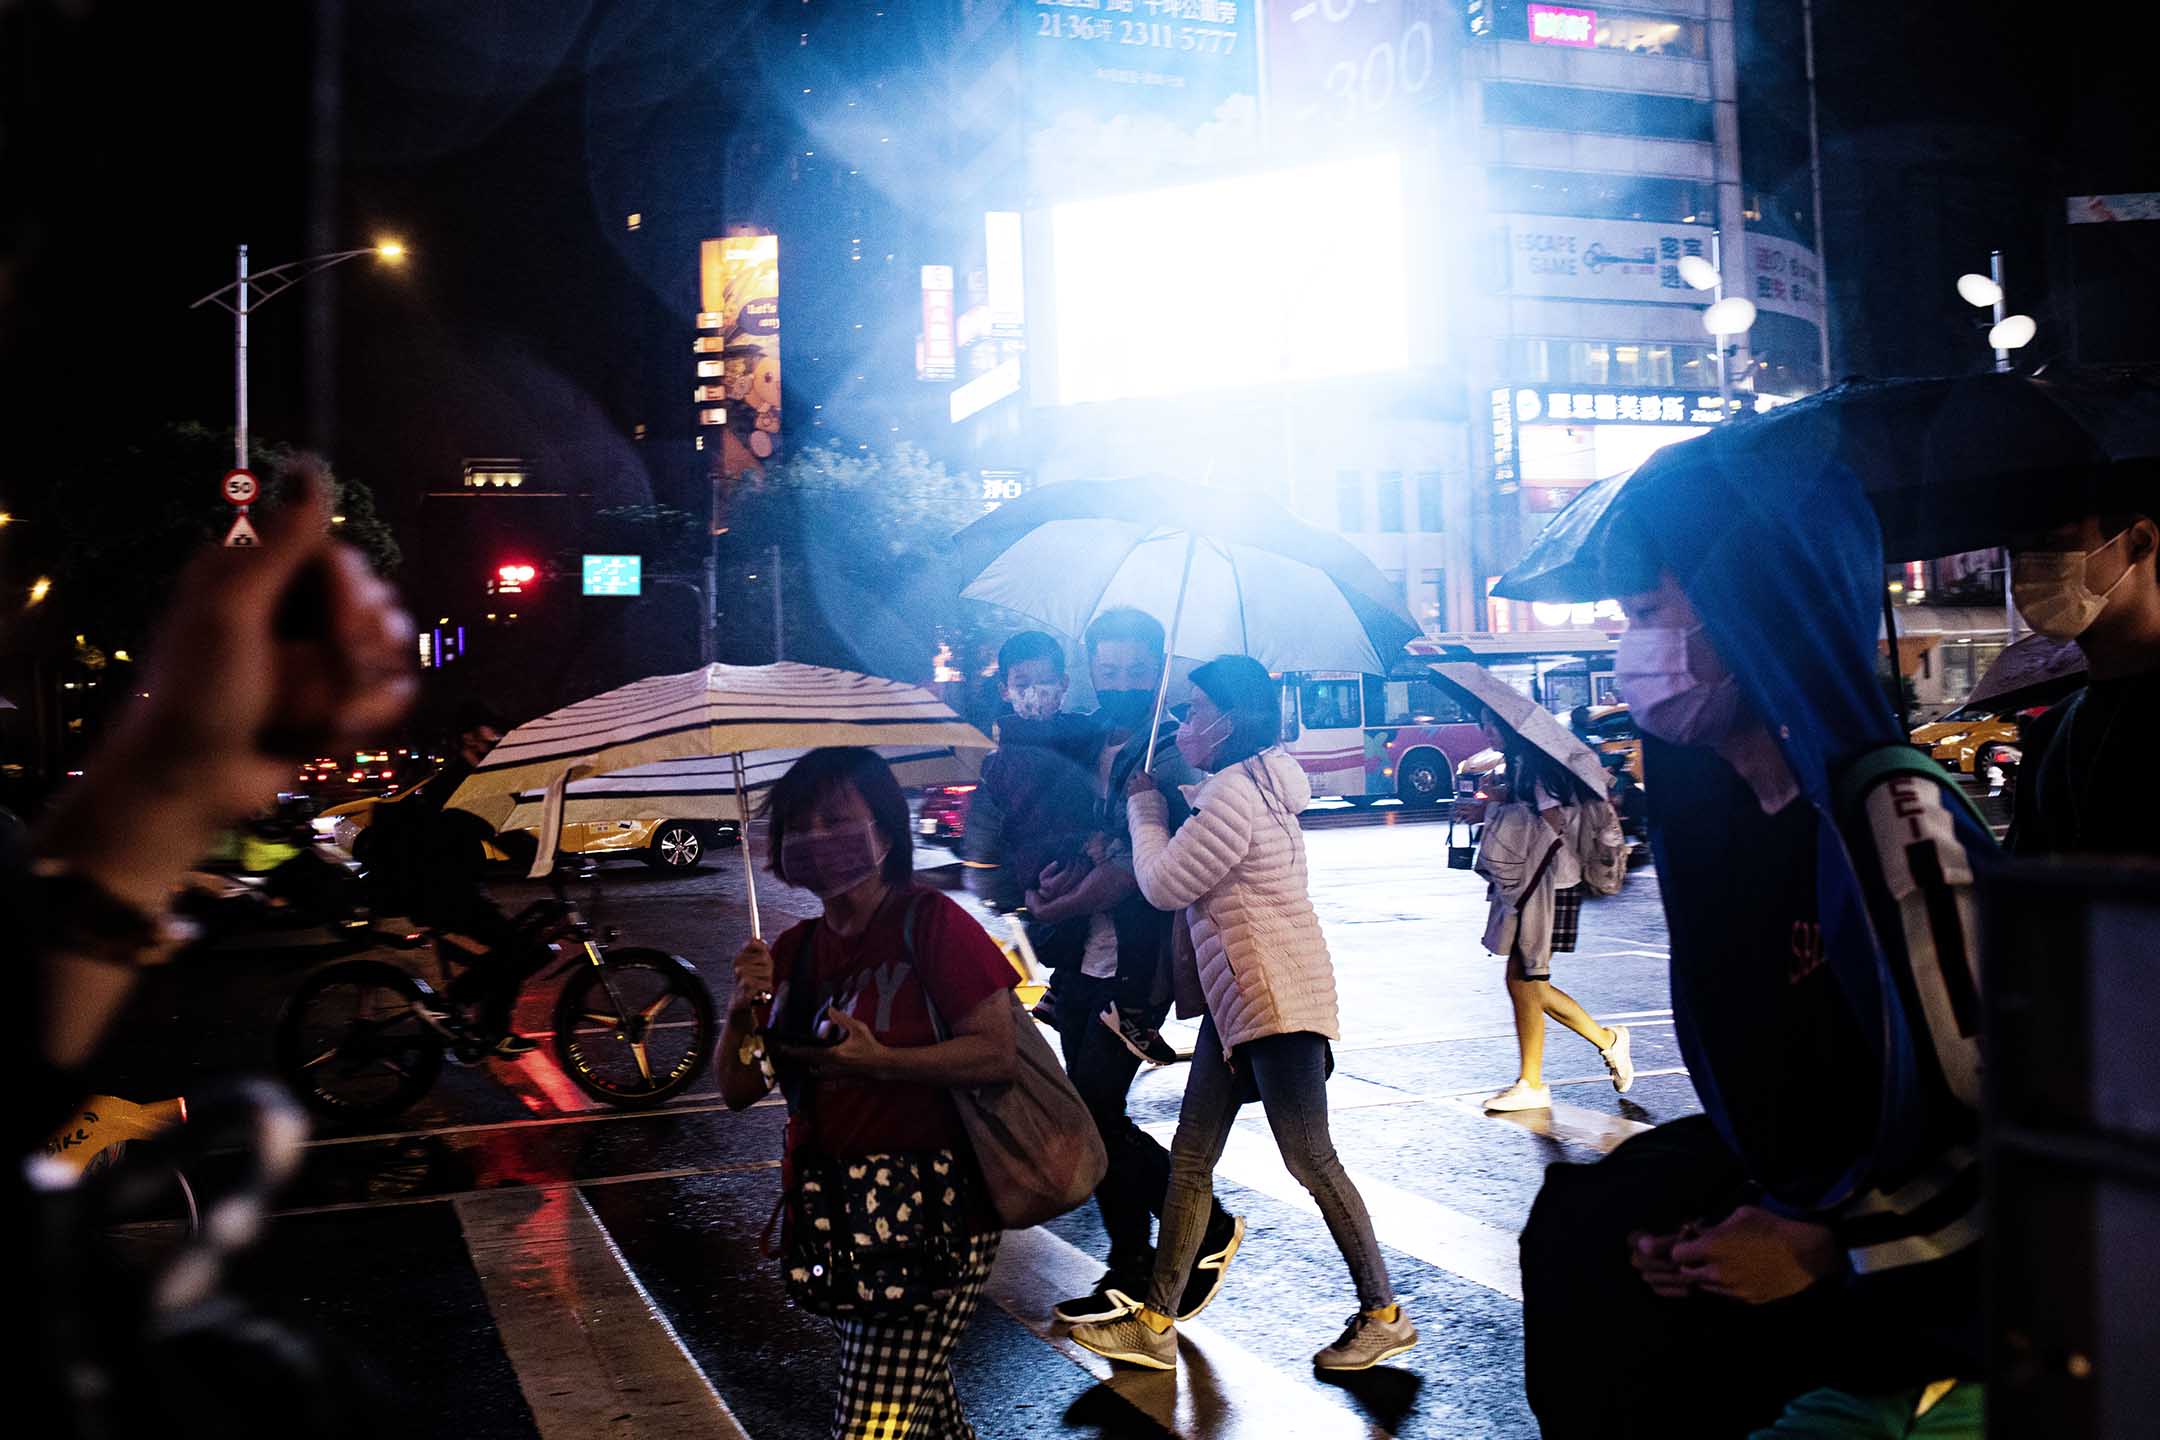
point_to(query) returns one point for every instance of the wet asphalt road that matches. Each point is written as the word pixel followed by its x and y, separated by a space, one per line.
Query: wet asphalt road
pixel 392 1243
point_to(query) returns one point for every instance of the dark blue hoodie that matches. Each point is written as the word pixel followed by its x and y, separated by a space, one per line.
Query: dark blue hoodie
pixel 1822 977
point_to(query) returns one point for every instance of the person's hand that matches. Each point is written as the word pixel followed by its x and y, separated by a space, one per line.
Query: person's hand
pixel 753 976
pixel 1755 1256
pixel 267 653
pixel 1056 880
pixel 1138 783
pixel 1651 1255
pixel 857 1052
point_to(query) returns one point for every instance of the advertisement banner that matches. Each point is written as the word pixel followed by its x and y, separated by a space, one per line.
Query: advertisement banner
pixel 2111 209
pixel 1576 259
pixel 1559 25
pixel 1785 279
pixel 740 281
pixel 937 359
pixel 1123 94
pixel 1342 67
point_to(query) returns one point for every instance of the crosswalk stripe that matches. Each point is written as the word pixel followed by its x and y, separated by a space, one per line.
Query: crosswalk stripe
pixel 1595 1129
pixel 593 1354
pixel 1457 1243
pixel 1220 1389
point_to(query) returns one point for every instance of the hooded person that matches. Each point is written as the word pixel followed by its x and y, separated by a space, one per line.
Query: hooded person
pixel 1817 1229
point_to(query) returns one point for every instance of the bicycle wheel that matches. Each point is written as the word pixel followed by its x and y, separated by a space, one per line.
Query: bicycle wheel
pixel 351 1042
pixel 638 1033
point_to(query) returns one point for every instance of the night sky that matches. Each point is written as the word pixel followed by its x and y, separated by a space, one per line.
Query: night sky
pixel 505 141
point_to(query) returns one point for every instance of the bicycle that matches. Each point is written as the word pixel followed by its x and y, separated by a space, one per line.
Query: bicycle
pixel 365 1038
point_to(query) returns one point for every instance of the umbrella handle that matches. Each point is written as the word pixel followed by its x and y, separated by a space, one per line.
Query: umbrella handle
pixel 1177 619
pixel 749 869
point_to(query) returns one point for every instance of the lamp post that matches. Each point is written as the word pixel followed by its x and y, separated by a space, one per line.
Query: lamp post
pixel 1725 316
pixel 2007 333
pixel 250 292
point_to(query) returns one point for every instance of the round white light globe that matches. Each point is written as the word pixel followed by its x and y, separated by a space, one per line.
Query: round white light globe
pixel 1698 272
pixel 1730 316
pixel 1978 290
pixel 2014 333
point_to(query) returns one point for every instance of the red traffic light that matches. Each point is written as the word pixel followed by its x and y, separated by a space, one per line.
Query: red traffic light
pixel 513 578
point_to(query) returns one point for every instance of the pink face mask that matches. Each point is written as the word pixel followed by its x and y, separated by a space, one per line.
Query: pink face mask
pixel 1198 744
pixel 833 862
pixel 1669 691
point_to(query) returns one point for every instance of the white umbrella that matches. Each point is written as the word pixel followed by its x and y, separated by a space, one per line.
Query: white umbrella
pixel 1527 718
pixel 727 712
pixel 704 789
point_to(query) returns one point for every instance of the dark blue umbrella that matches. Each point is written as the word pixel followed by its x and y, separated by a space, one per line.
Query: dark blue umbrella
pixel 1947 464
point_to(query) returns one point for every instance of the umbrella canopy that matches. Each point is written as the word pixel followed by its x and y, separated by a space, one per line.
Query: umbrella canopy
pixel 1254 580
pixel 1537 725
pixel 732 711
pixel 2036 668
pixel 704 788
pixel 721 710
pixel 1947 464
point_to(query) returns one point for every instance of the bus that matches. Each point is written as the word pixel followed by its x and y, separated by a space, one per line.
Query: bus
pixel 1363 738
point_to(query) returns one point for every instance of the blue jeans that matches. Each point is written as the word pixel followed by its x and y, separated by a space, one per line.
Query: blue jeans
pixel 1291 1071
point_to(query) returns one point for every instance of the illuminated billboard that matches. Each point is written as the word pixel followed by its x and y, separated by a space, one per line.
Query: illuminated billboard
pixel 1263 278
pixel 740 283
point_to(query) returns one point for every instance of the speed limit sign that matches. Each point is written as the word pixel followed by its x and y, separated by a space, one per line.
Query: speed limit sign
pixel 240 487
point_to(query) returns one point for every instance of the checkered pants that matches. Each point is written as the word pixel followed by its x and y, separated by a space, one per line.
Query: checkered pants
pixel 1567 918
pixel 896 1380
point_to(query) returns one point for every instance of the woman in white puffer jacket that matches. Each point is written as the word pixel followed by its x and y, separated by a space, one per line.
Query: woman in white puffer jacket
pixel 1237 869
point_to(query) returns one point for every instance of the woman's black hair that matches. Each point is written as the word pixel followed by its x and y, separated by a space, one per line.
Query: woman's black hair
pixel 815 775
pixel 1527 767
pixel 1241 688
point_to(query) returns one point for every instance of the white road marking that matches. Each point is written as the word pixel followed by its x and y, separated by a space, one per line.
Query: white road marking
pixel 1594 1129
pixel 1220 1389
pixel 1457 1243
pixel 593 1354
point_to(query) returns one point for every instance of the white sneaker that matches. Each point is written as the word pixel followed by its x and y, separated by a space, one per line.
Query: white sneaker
pixel 1521 1097
pixel 1618 1059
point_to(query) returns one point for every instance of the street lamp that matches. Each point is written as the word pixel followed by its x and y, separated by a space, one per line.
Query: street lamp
pixel 1985 292
pixel 1725 316
pixel 252 291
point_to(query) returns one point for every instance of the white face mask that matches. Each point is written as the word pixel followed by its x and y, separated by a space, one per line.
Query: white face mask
pixel 1038 702
pixel 1669 695
pixel 2053 594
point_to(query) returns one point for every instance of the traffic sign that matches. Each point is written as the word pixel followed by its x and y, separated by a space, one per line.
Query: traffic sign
pixel 242 536
pixel 614 574
pixel 240 487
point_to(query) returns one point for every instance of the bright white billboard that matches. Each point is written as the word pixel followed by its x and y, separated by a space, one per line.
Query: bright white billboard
pixel 1259 279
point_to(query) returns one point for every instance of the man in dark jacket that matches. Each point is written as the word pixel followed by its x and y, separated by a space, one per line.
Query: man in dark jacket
pixel 2088 762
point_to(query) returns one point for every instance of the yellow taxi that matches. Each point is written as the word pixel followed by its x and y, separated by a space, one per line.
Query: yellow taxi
pixel 664 843
pixel 1971 738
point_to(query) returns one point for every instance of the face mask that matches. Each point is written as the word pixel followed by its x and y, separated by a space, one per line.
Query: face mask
pixel 832 863
pixel 1126 709
pixel 2051 590
pixel 1198 746
pixel 1668 697
pixel 1038 702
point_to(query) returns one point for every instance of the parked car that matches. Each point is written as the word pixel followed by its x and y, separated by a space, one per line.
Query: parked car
pixel 941 813
pixel 1974 738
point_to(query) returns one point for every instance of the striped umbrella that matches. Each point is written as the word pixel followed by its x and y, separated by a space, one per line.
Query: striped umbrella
pixel 722 712
pixel 704 788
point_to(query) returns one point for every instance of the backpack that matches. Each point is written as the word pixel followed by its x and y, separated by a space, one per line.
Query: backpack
pixel 1600 845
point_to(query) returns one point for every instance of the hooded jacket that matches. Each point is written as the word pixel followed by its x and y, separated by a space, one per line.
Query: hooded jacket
pixel 1836 1047
pixel 1237 867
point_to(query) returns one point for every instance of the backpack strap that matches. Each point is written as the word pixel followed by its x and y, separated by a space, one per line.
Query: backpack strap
pixel 1853 784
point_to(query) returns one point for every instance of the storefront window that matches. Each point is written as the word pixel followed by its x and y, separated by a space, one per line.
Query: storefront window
pixel 1636 34
pixel 1609 197
pixel 1391 502
pixel 1616 362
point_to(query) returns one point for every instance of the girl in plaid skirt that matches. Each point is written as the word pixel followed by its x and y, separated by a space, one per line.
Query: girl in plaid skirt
pixel 1535 779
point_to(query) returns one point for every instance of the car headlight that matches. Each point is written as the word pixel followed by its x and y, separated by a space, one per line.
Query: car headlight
pixel 325 826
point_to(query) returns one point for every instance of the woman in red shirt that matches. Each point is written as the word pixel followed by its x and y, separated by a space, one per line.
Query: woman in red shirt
pixel 877 1080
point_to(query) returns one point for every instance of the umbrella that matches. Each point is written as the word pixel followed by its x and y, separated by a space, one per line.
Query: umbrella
pixel 1948 464
pixel 721 711
pixel 2049 668
pixel 1235 572
pixel 1526 718
pixel 704 788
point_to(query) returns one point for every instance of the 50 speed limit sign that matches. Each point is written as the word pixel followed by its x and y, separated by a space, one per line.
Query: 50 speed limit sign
pixel 240 487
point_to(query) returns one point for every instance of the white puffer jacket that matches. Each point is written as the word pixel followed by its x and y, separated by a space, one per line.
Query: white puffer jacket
pixel 1238 866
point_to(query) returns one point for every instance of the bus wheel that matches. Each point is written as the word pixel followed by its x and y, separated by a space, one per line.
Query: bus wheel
pixel 1421 781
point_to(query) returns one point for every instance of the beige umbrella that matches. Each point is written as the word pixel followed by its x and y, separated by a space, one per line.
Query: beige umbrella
pixel 726 712
pixel 1527 718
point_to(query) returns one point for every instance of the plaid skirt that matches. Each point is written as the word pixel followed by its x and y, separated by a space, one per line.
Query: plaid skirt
pixel 1567 917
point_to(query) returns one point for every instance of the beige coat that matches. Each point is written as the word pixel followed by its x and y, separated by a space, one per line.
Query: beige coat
pixel 1237 868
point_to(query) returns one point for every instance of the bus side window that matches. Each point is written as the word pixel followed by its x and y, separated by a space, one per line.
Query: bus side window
pixel 1289 711
pixel 1377 709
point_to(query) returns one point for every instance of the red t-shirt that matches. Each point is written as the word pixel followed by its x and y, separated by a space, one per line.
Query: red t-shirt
pixel 868 976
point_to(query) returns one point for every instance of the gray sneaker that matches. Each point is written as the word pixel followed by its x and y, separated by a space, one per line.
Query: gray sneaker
pixel 1369 1342
pixel 1130 1340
